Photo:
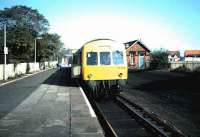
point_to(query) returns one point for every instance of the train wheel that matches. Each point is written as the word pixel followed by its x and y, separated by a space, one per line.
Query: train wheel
pixel 96 93
pixel 100 92
pixel 91 93
pixel 115 93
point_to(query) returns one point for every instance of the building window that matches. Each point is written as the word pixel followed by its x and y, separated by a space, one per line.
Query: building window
pixel 141 53
pixel 132 58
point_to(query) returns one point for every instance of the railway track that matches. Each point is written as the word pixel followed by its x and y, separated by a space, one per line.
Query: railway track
pixel 122 118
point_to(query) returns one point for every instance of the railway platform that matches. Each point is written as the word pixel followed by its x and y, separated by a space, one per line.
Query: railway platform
pixel 56 108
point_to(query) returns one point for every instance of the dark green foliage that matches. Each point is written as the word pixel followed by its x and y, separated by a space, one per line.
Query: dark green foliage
pixel 185 69
pixel 23 16
pixel 24 24
pixel 20 42
pixel 159 59
pixel 197 70
pixel 48 47
pixel 181 69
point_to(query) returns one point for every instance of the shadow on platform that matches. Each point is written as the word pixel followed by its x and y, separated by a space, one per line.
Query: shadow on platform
pixel 61 77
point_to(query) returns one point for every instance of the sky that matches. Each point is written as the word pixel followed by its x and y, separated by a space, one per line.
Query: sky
pixel 166 24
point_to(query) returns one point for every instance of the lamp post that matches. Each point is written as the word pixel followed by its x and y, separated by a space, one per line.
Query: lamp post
pixel 5 52
pixel 36 46
pixel 10 22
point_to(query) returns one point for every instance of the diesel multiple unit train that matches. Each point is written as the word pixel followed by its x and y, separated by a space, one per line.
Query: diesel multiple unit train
pixel 102 65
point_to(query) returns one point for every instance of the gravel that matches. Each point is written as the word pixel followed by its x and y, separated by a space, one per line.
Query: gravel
pixel 172 96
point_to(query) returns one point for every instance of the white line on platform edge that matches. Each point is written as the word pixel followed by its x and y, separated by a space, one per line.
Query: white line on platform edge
pixel 88 103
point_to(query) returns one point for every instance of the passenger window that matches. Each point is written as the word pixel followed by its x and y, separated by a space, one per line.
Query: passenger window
pixel 92 58
pixel 105 58
pixel 117 57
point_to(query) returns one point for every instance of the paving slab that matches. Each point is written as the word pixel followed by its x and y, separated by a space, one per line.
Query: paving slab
pixel 83 123
pixel 52 110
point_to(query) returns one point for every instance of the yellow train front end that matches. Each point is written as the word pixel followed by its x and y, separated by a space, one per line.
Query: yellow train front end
pixel 104 66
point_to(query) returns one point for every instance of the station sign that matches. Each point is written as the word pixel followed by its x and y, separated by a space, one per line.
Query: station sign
pixel 5 50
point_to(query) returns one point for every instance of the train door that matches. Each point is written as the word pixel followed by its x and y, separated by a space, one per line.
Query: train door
pixel 76 67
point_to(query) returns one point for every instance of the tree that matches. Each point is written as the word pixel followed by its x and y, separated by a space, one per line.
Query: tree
pixel 159 59
pixel 28 24
pixel 48 47
pixel 25 17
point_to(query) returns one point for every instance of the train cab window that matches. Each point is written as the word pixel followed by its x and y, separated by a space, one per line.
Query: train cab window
pixel 92 58
pixel 117 57
pixel 105 58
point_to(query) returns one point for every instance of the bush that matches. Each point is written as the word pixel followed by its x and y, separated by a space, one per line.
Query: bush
pixel 159 59
pixel 197 70
pixel 184 69
pixel 181 69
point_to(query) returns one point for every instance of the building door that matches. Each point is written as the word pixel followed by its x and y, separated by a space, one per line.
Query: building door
pixel 141 60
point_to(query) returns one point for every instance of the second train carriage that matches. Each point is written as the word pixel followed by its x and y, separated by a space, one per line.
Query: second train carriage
pixel 102 65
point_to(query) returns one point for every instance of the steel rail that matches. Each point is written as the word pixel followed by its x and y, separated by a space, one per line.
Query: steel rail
pixel 109 131
pixel 150 121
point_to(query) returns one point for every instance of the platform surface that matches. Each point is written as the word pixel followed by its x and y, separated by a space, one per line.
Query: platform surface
pixel 56 108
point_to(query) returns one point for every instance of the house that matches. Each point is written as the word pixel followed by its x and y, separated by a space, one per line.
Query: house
pixel 138 55
pixel 192 55
pixel 173 56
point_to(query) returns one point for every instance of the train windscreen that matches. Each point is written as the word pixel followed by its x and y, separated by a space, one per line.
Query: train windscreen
pixel 92 58
pixel 117 57
pixel 105 58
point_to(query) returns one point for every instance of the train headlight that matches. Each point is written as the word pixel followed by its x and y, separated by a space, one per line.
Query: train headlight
pixel 90 75
pixel 120 75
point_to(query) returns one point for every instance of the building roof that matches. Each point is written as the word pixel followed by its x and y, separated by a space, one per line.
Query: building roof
pixel 173 53
pixel 189 53
pixel 132 43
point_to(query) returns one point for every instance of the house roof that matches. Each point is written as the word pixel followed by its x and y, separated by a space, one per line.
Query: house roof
pixel 173 53
pixel 192 53
pixel 132 43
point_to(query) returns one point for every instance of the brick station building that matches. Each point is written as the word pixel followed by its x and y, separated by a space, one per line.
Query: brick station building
pixel 138 55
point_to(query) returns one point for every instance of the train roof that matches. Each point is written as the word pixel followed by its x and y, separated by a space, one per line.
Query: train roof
pixel 106 42
pixel 98 40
